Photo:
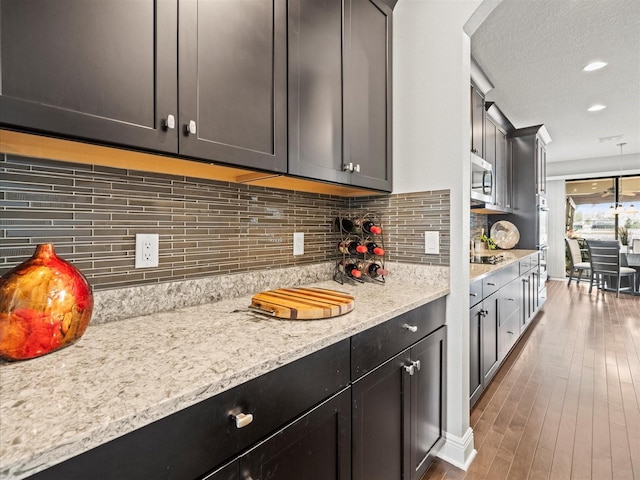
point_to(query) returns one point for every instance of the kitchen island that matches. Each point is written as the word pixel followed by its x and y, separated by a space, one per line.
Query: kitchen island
pixel 126 374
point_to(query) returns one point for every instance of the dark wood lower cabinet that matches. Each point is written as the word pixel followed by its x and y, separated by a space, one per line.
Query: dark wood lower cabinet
pixel 317 446
pixel 398 413
pixel 428 400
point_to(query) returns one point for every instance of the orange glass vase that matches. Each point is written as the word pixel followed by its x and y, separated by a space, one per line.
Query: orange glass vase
pixel 45 304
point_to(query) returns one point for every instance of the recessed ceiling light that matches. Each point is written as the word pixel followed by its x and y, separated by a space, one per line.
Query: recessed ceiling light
pixel 597 107
pixel 594 66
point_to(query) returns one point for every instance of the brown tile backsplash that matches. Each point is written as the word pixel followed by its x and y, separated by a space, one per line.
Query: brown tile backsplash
pixel 91 214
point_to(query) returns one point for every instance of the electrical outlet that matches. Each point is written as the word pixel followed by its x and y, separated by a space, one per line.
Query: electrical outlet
pixel 147 246
pixel 298 243
pixel 432 243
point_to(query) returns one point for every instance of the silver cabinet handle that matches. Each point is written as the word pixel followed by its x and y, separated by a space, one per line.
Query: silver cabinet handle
pixel 411 328
pixel 491 284
pixel 169 123
pixel 473 294
pixel 348 167
pixel 357 167
pixel 190 128
pixel 243 419
pixel 509 331
pixel 412 367
pixel 511 299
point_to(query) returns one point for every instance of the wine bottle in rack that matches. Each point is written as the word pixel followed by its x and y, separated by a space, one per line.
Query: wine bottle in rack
pixel 373 269
pixel 374 249
pixel 351 247
pixel 350 268
pixel 346 225
pixel 368 227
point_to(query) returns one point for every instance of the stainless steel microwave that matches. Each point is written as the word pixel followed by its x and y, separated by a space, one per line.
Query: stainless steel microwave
pixel 482 176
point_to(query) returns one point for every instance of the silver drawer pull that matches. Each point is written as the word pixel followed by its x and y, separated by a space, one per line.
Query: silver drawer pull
pixel 243 419
pixel 474 294
pixel 492 284
pixel 511 299
pixel 190 128
pixel 509 331
pixel 169 123
pixel 411 328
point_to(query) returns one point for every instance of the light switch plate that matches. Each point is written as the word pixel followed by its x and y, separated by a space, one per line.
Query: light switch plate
pixel 432 243
pixel 298 243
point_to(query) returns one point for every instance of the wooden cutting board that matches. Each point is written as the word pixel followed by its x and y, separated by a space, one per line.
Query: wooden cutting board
pixel 303 303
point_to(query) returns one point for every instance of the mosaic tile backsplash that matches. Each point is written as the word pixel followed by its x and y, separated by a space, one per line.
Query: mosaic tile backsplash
pixel 91 214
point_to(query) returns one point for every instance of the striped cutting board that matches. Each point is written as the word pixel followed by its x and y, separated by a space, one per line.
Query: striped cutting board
pixel 302 303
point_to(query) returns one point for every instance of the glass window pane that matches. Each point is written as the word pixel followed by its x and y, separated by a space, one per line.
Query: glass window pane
pixel 594 201
pixel 629 217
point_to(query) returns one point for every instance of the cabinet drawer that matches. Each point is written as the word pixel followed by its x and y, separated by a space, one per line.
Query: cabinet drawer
pixel 510 296
pixel 525 265
pixel 508 334
pixel 193 441
pixel 378 344
pixel 491 284
pixel 475 293
pixel 508 274
pixel 534 260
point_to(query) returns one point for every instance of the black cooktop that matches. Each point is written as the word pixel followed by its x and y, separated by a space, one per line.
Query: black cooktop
pixel 487 259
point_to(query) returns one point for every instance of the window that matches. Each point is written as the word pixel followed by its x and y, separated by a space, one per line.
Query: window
pixel 604 209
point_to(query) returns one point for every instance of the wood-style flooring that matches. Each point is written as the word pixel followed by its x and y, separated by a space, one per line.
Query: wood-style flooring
pixel 566 403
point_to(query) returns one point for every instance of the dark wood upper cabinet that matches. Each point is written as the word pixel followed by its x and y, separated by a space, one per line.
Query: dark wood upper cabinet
pixel 232 71
pixel 477 122
pixel 100 70
pixel 315 89
pixel 340 91
pixel 367 84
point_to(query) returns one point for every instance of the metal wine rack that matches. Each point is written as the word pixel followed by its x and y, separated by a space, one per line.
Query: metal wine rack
pixel 360 258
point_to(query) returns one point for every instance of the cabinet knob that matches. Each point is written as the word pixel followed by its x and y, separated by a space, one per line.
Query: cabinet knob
pixel 357 168
pixel 169 123
pixel 242 419
pixel 411 328
pixel 348 167
pixel 190 128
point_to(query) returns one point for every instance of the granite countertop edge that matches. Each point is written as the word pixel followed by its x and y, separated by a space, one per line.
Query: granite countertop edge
pixel 122 385
pixel 477 271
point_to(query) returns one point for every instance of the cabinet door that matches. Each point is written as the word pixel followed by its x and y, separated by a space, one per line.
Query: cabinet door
pixel 503 170
pixel 490 353
pixel 380 410
pixel 315 89
pixel 102 71
pixel 428 400
pixel 490 135
pixel 232 68
pixel 477 122
pixel 475 358
pixel 367 89
pixel 317 446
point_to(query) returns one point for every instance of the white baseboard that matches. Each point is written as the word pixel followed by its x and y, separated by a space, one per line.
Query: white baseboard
pixel 458 451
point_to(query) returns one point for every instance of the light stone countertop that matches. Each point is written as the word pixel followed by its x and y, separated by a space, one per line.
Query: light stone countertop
pixel 479 270
pixel 125 374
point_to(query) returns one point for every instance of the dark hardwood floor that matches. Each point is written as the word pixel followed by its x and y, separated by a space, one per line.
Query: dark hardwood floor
pixel 566 403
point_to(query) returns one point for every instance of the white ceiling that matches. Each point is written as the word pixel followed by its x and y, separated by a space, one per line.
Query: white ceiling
pixel 533 51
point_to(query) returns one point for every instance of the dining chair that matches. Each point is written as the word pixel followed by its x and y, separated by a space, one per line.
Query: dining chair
pixel 576 265
pixel 604 256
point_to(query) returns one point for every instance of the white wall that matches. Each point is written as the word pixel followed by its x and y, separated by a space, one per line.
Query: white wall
pixel 556 204
pixel 431 132
pixel 594 167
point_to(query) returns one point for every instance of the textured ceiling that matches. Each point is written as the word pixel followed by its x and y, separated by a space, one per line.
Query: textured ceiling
pixel 533 52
